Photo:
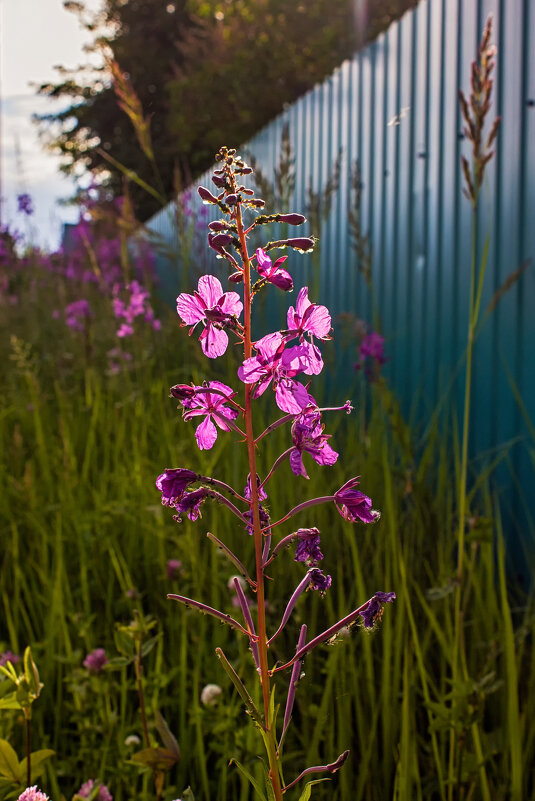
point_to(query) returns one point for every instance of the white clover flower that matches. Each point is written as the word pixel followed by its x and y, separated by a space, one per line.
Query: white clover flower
pixel 132 739
pixel 210 694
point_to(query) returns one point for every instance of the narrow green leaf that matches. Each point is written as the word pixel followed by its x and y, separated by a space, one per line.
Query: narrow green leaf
pixel 307 789
pixel 166 734
pixel 249 778
pixel 237 682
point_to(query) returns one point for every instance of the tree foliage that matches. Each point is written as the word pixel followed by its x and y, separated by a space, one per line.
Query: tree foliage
pixel 203 71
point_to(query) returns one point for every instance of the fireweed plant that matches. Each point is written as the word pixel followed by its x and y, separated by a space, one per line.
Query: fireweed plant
pixel 277 359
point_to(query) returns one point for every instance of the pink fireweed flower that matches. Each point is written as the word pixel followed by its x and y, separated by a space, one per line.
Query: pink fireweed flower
pixel 308 437
pixel 125 330
pixel 173 483
pixel 9 656
pixel 32 794
pixel 373 346
pixel 96 660
pixel 373 610
pixel 309 318
pixel 25 204
pixel 308 546
pixel 213 307
pixel 86 790
pixel 247 492
pixel 211 405
pixel 275 362
pixel 371 354
pixel 173 569
pixel 273 273
pixel 76 312
pixel 354 505
pixel 190 504
pixel 319 581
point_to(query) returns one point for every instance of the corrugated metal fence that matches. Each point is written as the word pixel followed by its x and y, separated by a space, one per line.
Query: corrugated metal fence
pixel 394 107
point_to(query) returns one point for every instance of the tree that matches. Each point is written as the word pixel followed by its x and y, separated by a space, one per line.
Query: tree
pixel 206 72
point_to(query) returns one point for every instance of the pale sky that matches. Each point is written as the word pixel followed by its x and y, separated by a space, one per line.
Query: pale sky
pixel 35 35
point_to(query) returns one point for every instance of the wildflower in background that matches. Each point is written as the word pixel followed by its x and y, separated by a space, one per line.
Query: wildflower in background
pixel 87 788
pixel 210 693
pixel 9 656
pixel 96 660
pixel 76 313
pixel 354 505
pixel 308 437
pixel 125 330
pixel 173 483
pixel 173 569
pixel 25 204
pixel 132 740
pixel 273 273
pixel 371 354
pixel 32 794
pixel 213 307
pixel 373 610
pixel 211 405
pixel 373 346
pixel 138 306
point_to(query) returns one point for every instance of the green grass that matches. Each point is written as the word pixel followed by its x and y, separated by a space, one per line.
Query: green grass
pixel 82 525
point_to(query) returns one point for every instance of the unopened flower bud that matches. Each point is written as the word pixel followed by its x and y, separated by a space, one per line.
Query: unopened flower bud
pixel 218 241
pixel 291 219
pixel 303 244
pixel 219 181
pixel 182 392
pixel 236 278
pixel 218 225
pixel 205 195
pixel 231 200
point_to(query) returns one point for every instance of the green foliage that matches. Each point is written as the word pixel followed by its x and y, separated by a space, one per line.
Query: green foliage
pixel 86 544
pixel 203 72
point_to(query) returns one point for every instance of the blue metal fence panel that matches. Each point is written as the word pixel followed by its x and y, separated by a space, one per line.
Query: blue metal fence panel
pixel 394 107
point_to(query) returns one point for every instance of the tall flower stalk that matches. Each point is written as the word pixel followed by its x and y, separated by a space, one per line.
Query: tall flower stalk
pixel 277 359
pixel 475 109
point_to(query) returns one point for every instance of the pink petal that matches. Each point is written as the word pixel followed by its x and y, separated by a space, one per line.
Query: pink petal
pixel 231 303
pixel 210 290
pixel 228 391
pixel 206 434
pixel 189 309
pixel 269 345
pixel 318 321
pixel 324 455
pixel 302 302
pixel 251 370
pixel 291 396
pixel 214 342
pixel 296 463
pixel 263 262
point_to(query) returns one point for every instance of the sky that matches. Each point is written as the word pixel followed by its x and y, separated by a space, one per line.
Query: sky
pixel 35 35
